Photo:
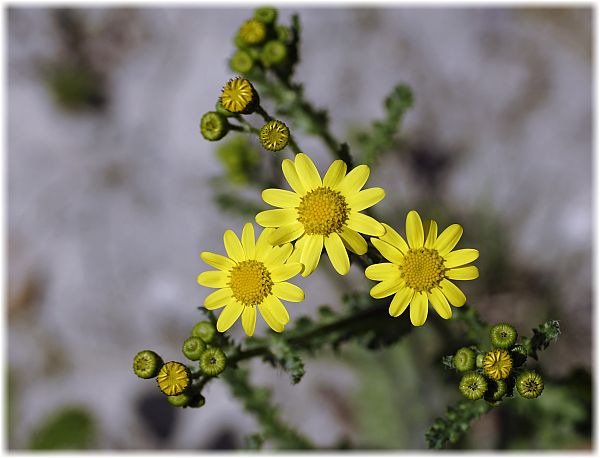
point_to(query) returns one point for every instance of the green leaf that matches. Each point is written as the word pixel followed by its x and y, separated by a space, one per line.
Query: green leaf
pixel 71 428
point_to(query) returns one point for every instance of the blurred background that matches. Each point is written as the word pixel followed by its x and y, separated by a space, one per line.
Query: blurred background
pixel 112 196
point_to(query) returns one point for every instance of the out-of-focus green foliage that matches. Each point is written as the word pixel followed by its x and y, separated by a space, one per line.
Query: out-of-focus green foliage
pixel 70 428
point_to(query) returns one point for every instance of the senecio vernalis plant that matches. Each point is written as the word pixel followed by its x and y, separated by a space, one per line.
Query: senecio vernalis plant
pixel 317 214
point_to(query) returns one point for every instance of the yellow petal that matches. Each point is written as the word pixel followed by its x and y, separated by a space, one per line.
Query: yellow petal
pixel 263 242
pixel 291 175
pixel 277 255
pixel 382 271
pixel 463 273
pixel 388 251
pixel 308 173
pixel 311 254
pixel 337 253
pixel 249 319
pixel 354 241
pixel 285 271
pixel 228 316
pixel 448 239
pixel 365 224
pixel 393 238
pixel 287 233
pixel 440 303
pixel 288 292
pixel 400 301
pixel 455 296
pixel 354 180
pixel 220 298
pixel 217 261
pixel 460 257
pixel 281 198
pixel 430 233
pixel 248 241
pixel 269 318
pixel 365 198
pixel 414 230
pixel 387 288
pixel 298 247
pixel 418 308
pixel 233 246
pixel 277 217
pixel 277 309
pixel 214 279
pixel 334 174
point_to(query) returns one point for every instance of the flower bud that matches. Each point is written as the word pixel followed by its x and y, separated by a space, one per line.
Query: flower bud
pixel 464 359
pixel 274 135
pixel 213 126
pixel 283 33
pixel 174 378
pixel 265 14
pixel 193 348
pixel 213 361
pixel 518 355
pixel 473 386
pixel 239 96
pixel 205 330
pixel 241 62
pixel 147 364
pixel 503 335
pixel 496 390
pixel 497 364
pixel 252 32
pixel 530 384
pixel 479 360
pixel 180 400
pixel 273 53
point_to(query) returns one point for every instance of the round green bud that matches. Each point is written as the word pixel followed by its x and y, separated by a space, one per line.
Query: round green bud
pixel 479 360
pixel 205 330
pixel 464 359
pixel 241 61
pixel 530 384
pixel 193 348
pixel 213 126
pixel 213 361
pixel 283 33
pixel 274 135
pixel 252 32
pixel 147 364
pixel 519 355
pixel 219 108
pixel 180 400
pixel 473 386
pixel 265 14
pixel 503 335
pixel 273 53
pixel 496 390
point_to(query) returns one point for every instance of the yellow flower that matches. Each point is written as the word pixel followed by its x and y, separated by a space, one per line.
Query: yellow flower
pixel 420 272
pixel 252 275
pixel 173 378
pixel 321 213
pixel 238 96
pixel 497 364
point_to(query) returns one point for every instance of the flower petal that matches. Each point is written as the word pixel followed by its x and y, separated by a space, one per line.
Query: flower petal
pixel 365 224
pixel 400 301
pixel 388 251
pixel 281 198
pixel 463 273
pixel 287 233
pixel 448 239
pixel 430 233
pixel 218 261
pixel 291 175
pixel 387 288
pixel 414 230
pixel 248 243
pixel 354 180
pixel 354 241
pixel 308 173
pixel 311 254
pixel 393 238
pixel 334 174
pixel 249 319
pixel 277 309
pixel 337 253
pixel 298 247
pixel 382 271
pixel 418 308
pixel 262 242
pixel 214 279
pixel 288 292
pixel 233 246
pixel 440 303
pixel 455 296
pixel 285 271
pixel 269 318
pixel 460 257
pixel 366 198
pixel 228 316
pixel 278 217
pixel 277 255
pixel 219 298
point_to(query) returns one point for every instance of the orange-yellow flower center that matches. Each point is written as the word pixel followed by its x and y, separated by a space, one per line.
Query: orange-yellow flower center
pixel 323 211
pixel 173 378
pixel 497 364
pixel 237 95
pixel 423 269
pixel 250 282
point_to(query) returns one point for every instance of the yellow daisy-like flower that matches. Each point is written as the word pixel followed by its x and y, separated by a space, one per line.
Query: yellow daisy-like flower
pixel 238 95
pixel 252 275
pixel 173 378
pixel 420 271
pixel 497 364
pixel 321 213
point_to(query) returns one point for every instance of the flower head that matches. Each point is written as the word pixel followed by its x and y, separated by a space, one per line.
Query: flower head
pixel 274 52
pixel 503 335
pixel 213 361
pixel 251 276
pixel 274 135
pixel 419 272
pixel 147 364
pixel 530 384
pixel 464 359
pixel 497 364
pixel 253 32
pixel 473 386
pixel 173 378
pixel 321 213
pixel 213 126
pixel 239 96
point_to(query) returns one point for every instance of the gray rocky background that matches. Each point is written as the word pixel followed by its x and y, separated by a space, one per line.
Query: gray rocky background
pixel 108 207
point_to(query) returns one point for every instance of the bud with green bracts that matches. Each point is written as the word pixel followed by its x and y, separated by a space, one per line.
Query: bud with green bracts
pixel 205 330
pixel 147 364
pixel 503 335
pixel 464 359
pixel 193 348
pixel 213 361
